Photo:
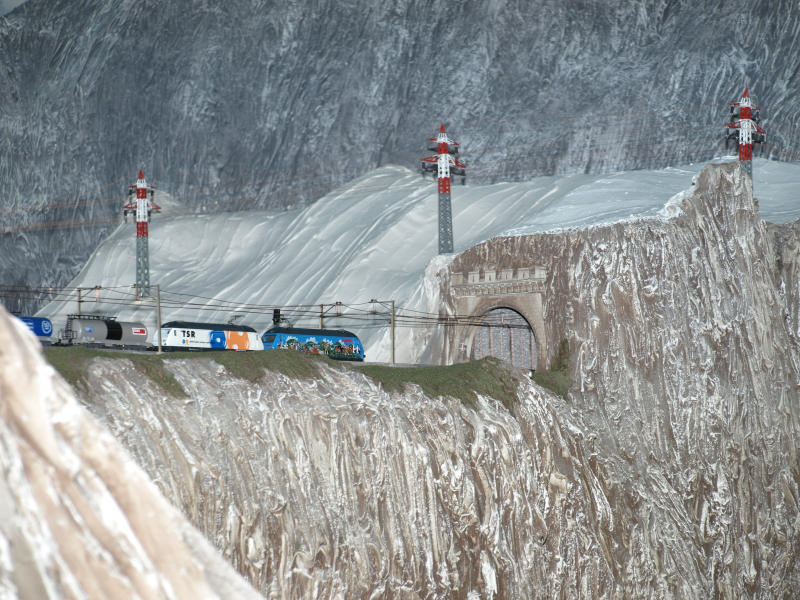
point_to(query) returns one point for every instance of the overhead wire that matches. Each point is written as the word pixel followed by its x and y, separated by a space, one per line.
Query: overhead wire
pixel 366 319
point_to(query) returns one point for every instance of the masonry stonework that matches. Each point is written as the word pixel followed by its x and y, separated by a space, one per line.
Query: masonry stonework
pixel 482 288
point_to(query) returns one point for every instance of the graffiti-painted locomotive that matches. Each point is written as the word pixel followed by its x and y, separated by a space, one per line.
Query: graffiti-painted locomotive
pixel 339 344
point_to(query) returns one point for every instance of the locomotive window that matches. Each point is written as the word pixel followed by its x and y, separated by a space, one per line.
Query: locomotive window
pixel 269 339
pixel 114 330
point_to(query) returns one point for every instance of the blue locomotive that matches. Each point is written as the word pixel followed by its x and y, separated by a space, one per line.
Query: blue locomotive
pixel 334 343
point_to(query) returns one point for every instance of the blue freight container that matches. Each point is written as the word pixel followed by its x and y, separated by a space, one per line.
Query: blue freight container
pixel 41 327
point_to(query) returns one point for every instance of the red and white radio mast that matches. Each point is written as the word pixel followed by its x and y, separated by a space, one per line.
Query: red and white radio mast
pixel 745 118
pixel 444 165
pixel 142 206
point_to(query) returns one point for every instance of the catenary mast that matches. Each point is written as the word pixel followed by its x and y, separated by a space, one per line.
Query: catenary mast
pixel 745 118
pixel 142 207
pixel 444 165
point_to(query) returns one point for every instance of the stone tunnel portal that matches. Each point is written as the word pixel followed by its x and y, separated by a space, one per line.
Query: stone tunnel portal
pixel 507 335
pixel 510 296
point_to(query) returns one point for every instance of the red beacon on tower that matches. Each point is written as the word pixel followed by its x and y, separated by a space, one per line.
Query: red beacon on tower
pixel 745 118
pixel 444 146
pixel 443 166
pixel 142 207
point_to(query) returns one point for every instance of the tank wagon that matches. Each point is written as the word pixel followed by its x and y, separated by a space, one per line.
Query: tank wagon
pixel 187 335
pixel 96 330
pixel 90 330
pixel 335 343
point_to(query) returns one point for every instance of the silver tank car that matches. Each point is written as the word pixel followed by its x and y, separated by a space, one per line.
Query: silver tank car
pixel 106 331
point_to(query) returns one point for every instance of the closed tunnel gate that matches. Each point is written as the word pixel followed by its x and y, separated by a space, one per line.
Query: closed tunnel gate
pixel 507 335
pixel 504 310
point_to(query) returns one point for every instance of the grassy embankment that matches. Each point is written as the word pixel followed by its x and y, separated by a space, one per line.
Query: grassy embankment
pixel 488 377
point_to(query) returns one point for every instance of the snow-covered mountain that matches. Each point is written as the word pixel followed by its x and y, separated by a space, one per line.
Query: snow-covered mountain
pixel 255 104
pixel 371 239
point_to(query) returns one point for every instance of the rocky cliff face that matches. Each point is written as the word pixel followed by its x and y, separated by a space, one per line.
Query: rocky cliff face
pixel 671 471
pixel 78 518
pixel 258 104
pixel 683 338
pixel 332 487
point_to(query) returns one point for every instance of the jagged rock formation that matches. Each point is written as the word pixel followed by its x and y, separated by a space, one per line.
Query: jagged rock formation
pixel 333 488
pixel 672 470
pixel 255 104
pixel 683 334
pixel 78 519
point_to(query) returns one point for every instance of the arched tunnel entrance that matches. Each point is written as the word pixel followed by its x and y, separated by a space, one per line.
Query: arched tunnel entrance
pixel 507 335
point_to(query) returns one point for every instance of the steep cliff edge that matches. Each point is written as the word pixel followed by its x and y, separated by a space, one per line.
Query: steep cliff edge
pixel 671 470
pixel 78 518
pixel 683 338
pixel 331 487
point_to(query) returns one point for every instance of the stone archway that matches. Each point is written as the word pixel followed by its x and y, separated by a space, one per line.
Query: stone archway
pixel 476 293
pixel 505 334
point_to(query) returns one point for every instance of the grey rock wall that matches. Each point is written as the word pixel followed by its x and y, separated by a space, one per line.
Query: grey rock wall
pixel 671 471
pixel 261 104
pixel 683 338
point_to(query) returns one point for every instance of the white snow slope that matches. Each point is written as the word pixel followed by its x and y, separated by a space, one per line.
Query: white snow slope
pixel 373 238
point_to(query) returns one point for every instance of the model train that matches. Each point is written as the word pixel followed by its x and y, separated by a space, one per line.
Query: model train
pixel 103 331
pixel 90 330
pixel 339 344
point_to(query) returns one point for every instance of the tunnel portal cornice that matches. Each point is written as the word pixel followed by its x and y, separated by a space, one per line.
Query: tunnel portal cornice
pixel 493 281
